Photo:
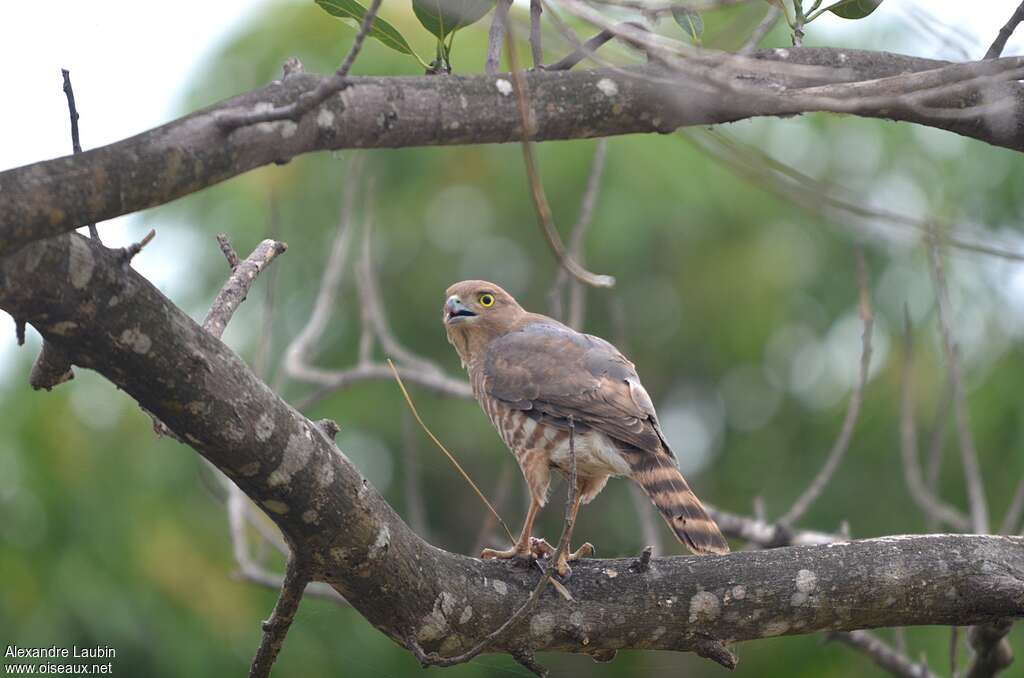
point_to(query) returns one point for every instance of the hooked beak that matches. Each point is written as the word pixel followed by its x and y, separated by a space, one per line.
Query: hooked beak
pixel 455 310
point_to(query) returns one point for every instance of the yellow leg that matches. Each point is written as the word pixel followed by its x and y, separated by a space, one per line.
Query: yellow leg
pixel 521 548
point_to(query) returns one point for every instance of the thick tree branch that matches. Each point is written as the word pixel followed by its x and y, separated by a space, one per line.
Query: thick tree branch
pixel 408 589
pixel 194 152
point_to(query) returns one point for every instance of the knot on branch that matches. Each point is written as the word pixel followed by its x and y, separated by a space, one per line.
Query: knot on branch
pixel 716 651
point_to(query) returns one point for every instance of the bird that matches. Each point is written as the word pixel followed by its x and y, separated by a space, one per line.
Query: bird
pixel 540 381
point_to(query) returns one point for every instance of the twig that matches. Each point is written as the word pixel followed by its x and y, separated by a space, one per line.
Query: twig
pixel 227 250
pixel 249 570
pixel 128 253
pixel 883 654
pixel 968 453
pixel 433 659
pixel 276 628
pixel 540 201
pixel 496 36
pixel 451 457
pixel 936 446
pixel 339 81
pixel 588 48
pixel 992 651
pixel 243 275
pixel 577 294
pixel 1004 33
pixel 76 143
pixel 762 29
pixel 1013 513
pixel 51 368
pixel 535 46
pixel 842 443
pixel 933 507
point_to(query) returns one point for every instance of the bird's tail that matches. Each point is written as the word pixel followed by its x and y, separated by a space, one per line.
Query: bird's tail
pixel 657 474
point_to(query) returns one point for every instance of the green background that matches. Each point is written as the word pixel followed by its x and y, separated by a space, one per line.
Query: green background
pixel 738 308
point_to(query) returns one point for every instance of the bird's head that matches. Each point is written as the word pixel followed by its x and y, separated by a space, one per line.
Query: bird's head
pixel 477 311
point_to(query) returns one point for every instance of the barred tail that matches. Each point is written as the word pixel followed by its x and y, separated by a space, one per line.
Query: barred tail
pixel 679 506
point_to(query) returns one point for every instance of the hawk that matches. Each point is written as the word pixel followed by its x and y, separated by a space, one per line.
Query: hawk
pixel 534 378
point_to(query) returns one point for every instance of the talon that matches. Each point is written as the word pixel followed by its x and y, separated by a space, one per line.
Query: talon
pixel 563 569
pixel 540 548
pixel 514 553
pixel 584 551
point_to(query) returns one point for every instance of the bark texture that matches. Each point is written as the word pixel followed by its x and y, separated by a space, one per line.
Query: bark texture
pixel 184 156
pixel 85 300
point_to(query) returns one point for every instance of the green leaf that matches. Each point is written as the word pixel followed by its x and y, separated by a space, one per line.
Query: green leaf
pixel 854 9
pixel 350 10
pixel 442 17
pixel 690 22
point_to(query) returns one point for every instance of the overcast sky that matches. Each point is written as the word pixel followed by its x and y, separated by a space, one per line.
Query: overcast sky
pixel 130 61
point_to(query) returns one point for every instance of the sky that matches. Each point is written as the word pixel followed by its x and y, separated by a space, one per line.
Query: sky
pixel 130 62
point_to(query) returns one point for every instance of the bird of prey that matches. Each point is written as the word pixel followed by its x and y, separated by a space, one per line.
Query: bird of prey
pixel 535 378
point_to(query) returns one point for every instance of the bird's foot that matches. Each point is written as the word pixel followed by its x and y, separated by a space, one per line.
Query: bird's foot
pixel 542 549
pixel 517 553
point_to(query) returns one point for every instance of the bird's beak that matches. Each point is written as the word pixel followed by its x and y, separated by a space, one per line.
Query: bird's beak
pixel 455 310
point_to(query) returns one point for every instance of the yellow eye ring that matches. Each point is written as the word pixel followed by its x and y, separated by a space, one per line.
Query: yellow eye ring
pixel 486 300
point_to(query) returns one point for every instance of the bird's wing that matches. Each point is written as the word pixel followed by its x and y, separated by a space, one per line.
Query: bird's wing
pixel 558 373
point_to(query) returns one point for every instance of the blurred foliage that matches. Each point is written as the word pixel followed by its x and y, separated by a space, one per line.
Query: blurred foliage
pixel 738 309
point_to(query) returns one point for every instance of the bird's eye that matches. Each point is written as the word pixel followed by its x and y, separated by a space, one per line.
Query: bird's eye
pixel 486 300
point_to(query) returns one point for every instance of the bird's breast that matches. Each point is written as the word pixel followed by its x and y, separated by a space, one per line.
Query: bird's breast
pixel 596 454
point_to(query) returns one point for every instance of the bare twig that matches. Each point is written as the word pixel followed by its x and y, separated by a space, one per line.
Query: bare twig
pixel 762 29
pixel 968 453
pixel 51 368
pixel 934 508
pixel 577 294
pixel 128 253
pixel 228 251
pixel 954 650
pixel 496 36
pixel 842 443
pixel 883 654
pixel 433 659
pixel 243 274
pixel 451 457
pixel 229 120
pixel 76 143
pixel 276 628
pixel 1004 33
pixel 239 514
pixel 992 651
pixel 588 48
pixel 540 201
pixel 535 46
pixel 649 531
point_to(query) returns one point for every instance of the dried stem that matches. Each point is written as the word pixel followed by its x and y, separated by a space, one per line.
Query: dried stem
pixel 496 36
pixel 276 628
pixel 934 508
pixel 231 120
pixel 883 654
pixel 540 200
pixel 968 453
pixel 1004 33
pixel 451 457
pixel 842 443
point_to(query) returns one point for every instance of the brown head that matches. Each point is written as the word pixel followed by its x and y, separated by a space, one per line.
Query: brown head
pixel 476 312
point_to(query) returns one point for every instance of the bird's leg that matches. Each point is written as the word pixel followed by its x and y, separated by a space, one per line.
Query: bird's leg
pixel 522 548
pixel 583 551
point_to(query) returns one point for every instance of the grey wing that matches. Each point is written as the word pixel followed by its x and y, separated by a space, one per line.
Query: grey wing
pixel 554 373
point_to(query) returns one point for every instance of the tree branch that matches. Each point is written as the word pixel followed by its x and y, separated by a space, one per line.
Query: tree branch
pixel 410 590
pixel 276 628
pixel 194 152
pixel 1004 33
